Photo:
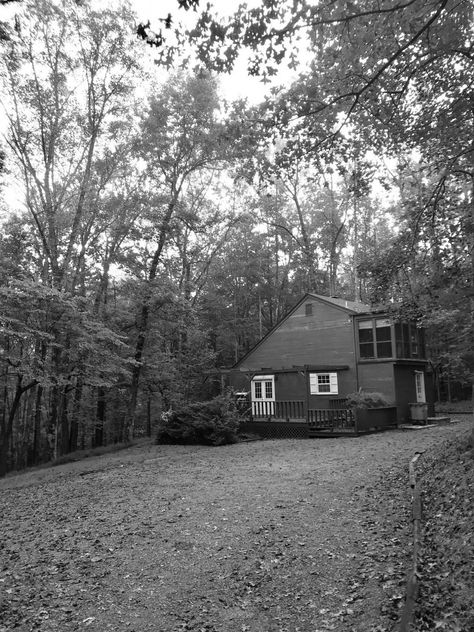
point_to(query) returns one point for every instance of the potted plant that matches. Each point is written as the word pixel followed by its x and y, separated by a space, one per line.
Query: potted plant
pixel 371 410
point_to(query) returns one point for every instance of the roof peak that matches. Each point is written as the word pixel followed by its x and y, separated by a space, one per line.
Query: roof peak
pixel 353 306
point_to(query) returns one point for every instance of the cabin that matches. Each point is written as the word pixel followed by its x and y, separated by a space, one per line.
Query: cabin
pixel 326 348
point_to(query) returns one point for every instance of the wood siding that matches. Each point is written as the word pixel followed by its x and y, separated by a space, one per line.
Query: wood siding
pixel 290 386
pixel 377 377
pixel 324 337
pixel 405 388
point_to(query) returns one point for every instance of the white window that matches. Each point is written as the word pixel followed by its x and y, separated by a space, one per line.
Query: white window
pixel 263 395
pixel 323 383
pixel 420 386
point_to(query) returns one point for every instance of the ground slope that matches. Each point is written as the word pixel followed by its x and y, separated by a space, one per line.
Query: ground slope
pixel 284 535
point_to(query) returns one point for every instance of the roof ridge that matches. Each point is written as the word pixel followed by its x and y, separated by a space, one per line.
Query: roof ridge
pixel 355 306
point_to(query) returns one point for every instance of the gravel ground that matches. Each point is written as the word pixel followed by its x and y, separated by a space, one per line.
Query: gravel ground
pixel 272 536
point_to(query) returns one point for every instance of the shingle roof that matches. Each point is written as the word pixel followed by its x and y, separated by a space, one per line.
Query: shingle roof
pixel 354 306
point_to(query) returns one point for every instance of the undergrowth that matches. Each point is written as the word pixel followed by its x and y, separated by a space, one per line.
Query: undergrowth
pixel 464 406
pixel 446 597
pixel 215 422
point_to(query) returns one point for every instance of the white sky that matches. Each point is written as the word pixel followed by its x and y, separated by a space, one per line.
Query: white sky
pixel 235 86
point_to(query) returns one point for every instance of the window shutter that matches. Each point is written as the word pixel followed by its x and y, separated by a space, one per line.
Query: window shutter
pixel 333 383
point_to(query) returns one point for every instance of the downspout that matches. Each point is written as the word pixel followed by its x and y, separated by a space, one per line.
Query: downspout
pixel 356 361
pixel 306 380
pixel 356 366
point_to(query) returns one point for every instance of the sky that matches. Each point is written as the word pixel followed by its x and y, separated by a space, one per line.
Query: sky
pixel 234 86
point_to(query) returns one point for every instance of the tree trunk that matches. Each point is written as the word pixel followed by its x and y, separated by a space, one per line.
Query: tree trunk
pixel 53 424
pixel 100 417
pixel 148 417
pixel 36 450
pixel 145 315
pixel 7 429
pixel 64 424
pixel 74 430
pixel 355 256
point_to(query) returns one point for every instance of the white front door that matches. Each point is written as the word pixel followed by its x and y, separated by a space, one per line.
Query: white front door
pixel 263 395
pixel 420 386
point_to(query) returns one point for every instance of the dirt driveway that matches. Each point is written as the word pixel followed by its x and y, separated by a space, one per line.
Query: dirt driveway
pixel 272 536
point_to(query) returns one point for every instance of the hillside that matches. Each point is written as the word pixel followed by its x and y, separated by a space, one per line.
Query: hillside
pixel 446 600
pixel 282 536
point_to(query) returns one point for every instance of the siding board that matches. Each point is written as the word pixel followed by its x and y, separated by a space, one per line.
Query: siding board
pixel 324 337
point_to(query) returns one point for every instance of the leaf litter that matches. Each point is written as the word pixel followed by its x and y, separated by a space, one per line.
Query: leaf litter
pixel 271 536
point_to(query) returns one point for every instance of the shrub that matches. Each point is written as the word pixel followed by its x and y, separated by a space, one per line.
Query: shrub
pixel 367 400
pixel 215 422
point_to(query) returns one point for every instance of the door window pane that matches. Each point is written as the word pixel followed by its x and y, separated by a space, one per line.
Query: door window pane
pixel 269 390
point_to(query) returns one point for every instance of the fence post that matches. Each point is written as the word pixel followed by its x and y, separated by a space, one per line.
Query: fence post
pixel 412 583
pixel 306 403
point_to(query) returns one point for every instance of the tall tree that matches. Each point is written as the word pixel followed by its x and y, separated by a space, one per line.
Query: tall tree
pixel 67 75
pixel 182 135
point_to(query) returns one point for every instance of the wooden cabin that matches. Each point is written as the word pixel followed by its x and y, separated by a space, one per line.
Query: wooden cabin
pixel 326 348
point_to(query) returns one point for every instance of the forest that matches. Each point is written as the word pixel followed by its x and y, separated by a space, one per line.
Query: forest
pixel 152 229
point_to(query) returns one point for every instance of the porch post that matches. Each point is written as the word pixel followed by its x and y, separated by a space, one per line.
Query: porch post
pixel 306 379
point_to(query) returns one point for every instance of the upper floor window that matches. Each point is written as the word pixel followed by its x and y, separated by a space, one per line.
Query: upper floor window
pixel 375 338
pixel 410 341
pixel 308 309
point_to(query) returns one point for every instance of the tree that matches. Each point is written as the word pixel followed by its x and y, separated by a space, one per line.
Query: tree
pixel 182 135
pixel 68 73
pixel 68 79
pixel 401 73
pixel 34 356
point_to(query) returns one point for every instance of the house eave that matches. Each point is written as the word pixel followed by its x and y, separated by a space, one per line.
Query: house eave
pixel 293 369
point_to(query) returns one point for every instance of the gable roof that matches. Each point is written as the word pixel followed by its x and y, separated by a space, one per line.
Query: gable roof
pixel 352 307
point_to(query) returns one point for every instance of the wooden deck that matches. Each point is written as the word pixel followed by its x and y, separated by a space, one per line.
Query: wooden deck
pixel 291 419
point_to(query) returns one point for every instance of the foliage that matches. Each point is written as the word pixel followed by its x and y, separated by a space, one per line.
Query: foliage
pixel 74 344
pixel 455 407
pixel 445 575
pixel 163 231
pixel 363 399
pixel 67 81
pixel 215 422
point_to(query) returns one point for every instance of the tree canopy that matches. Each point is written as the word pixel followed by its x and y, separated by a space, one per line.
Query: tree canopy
pixel 153 231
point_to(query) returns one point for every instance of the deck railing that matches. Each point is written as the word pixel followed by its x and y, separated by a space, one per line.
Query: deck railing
pixel 263 410
pixel 288 409
pixel 326 419
pixel 331 418
pixel 295 410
